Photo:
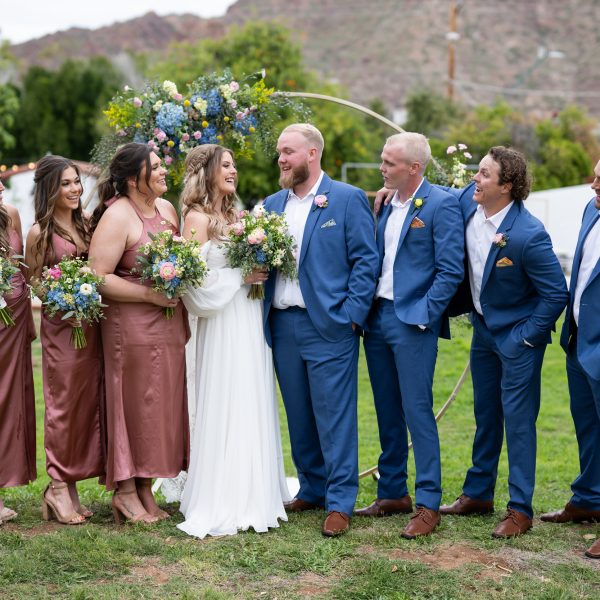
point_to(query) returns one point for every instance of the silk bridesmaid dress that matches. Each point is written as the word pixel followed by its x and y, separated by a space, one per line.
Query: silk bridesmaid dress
pixel 144 361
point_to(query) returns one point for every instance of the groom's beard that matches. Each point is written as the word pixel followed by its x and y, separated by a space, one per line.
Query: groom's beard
pixel 294 176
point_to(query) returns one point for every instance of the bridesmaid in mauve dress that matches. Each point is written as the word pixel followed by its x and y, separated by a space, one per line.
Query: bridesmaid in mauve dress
pixel 17 401
pixel 73 383
pixel 144 353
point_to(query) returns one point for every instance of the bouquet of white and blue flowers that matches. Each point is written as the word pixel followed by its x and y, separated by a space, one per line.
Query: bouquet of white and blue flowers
pixel 8 268
pixel 172 263
pixel 71 288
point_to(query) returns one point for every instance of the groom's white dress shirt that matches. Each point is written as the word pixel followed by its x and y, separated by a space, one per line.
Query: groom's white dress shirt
pixel 287 292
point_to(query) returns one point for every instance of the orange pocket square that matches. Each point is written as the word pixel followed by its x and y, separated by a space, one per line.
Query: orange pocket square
pixel 416 223
pixel 504 262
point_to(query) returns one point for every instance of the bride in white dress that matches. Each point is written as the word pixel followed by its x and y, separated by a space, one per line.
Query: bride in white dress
pixel 236 478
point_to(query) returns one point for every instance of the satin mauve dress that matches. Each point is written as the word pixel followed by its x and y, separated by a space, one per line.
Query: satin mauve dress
pixel 73 393
pixel 17 400
pixel 144 361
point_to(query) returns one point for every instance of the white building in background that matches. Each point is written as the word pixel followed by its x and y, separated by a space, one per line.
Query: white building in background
pixel 19 185
pixel 561 210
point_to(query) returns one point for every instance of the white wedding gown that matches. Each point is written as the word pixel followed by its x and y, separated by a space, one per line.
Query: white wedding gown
pixel 236 478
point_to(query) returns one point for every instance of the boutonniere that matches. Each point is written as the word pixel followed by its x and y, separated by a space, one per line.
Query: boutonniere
pixel 500 240
pixel 417 204
pixel 320 201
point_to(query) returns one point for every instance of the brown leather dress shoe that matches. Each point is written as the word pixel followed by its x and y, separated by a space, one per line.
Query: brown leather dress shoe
pixel 423 522
pixel 514 523
pixel 299 505
pixel 594 550
pixel 464 505
pixel 335 523
pixel 571 513
pixel 384 507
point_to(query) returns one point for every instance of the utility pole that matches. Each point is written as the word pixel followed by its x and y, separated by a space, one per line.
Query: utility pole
pixel 452 36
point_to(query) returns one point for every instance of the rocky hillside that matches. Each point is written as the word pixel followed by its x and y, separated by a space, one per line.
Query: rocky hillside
pixel 539 54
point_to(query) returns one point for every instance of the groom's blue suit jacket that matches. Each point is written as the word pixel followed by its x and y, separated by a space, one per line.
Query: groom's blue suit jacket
pixel 523 290
pixel 588 334
pixel 338 260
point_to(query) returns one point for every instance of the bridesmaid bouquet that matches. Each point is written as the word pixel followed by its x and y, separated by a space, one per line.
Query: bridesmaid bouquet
pixel 261 240
pixel 8 268
pixel 172 263
pixel 71 287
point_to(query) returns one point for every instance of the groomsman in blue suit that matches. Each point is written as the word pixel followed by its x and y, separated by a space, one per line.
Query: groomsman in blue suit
pixel 313 323
pixel 516 291
pixel 581 341
pixel 421 251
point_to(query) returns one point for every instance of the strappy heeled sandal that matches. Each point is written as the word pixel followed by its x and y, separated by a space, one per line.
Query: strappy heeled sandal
pixel 122 513
pixel 146 484
pixel 50 508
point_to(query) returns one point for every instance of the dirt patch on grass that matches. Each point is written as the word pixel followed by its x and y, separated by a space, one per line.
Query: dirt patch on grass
pixel 151 570
pixel 453 556
pixel 43 528
pixel 310 585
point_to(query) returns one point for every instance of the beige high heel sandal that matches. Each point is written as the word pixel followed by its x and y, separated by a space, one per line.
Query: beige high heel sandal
pixel 50 509
pixel 122 513
pixel 146 484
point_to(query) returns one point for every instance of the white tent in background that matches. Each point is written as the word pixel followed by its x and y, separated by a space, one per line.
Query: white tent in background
pixel 561 210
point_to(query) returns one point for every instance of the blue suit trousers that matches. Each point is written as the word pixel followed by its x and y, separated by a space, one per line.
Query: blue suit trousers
pixel 585 409
pixel 506 393
pixel 401 360
pixel 318 383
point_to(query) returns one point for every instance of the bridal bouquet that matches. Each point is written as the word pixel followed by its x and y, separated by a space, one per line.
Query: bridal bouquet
pixel 71 288
pixel 261 240
pixel 172 263
pixel 8 268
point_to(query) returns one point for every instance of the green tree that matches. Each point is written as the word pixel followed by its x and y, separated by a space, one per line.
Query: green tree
pixel 60 110
pixel 9 107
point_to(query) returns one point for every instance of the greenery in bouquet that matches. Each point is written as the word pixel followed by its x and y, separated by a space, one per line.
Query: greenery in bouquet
pixel 172 263
pixel 8 268
pixel 452 169
pixel 215 109
pixel 70 288
pixel 260 240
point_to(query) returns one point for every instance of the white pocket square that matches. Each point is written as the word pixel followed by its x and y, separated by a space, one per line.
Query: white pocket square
pixel 330 223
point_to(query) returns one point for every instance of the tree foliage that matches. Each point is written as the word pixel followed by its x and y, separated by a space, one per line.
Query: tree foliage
pixel 60 111
pixel 9 107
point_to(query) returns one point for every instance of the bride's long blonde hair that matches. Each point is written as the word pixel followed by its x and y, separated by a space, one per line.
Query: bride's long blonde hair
pixel 202 167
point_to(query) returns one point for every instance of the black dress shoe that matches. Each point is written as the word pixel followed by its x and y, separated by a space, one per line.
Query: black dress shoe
pixel 385 507
pixel 299 505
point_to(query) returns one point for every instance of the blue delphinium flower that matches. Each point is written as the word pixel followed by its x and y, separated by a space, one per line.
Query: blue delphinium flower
pixel 213 102
pixel 170 117
pixel 209 135
pixel 260 257
pixel 243 126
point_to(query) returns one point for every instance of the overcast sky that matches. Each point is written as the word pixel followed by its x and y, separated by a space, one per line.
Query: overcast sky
pixel 34 18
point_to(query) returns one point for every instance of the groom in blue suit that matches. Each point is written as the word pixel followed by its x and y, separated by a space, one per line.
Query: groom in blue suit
pixel 580 339
pixel 515 290
pixel 313 323
pixel 421 250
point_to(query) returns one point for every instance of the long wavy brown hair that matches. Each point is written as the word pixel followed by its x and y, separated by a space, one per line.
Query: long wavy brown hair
pixel 47 179
pixel 5 222
pixel 202 167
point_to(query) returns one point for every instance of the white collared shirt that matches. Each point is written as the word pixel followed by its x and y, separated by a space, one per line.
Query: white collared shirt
pixel 287 292
pixel 589 259
pixel 479 236
pixel 393 229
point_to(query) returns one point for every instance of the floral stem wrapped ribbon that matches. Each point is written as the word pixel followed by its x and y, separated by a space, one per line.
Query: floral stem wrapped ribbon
pixel 261 241
pixel 71 288
pixel 8 268
pixel 173 264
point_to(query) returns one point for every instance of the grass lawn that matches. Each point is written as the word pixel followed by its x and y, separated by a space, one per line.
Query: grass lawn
pixel 101 560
